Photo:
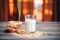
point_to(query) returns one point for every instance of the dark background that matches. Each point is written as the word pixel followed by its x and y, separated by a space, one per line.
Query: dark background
pixel 4 11
pixel 58 10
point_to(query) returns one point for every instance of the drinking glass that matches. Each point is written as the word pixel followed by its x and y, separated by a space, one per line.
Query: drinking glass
pixel 30 22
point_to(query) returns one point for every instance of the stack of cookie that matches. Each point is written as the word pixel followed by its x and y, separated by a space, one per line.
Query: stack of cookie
pixel 15 28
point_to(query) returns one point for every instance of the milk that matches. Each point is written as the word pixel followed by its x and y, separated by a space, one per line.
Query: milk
pixel 30 25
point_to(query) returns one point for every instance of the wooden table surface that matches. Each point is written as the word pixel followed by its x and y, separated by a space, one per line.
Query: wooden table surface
pixel 51 28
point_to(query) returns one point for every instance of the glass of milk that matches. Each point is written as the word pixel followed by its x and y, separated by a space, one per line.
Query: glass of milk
pixel 30 23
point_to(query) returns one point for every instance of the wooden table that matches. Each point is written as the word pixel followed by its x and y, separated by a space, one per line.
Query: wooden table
pixel 51 28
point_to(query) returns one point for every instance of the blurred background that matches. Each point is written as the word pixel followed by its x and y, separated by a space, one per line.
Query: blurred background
pixel 15 10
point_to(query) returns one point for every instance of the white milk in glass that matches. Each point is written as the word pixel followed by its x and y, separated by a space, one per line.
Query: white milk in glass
pixel 30 25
